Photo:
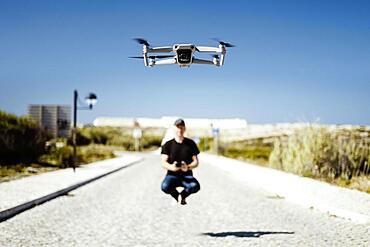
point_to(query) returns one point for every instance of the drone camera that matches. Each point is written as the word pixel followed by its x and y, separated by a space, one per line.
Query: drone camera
pixel 184 56
pixel 184 53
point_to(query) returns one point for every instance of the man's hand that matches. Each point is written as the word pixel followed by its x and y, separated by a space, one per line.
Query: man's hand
pixel 174 167
pixel 184 167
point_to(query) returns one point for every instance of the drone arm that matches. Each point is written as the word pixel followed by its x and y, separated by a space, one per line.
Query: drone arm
pixel 145 56
pixel 163 49
pixel 164 61
pixel 222 59
pixel 208 49
pixel 203 61
pixel 223 54
pixel 146 60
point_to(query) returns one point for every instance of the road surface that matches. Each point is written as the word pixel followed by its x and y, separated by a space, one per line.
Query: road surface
pixel 129 209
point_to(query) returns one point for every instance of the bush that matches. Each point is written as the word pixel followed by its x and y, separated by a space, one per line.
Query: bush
pixel 81 139
pixel 63 156
pixel 317 151
pixel 96 135
pixel 205 143
pixel 151 142
pixel 93 153
pixel 121 137
pixel 127 142
pixel 21 140
pixel 255 150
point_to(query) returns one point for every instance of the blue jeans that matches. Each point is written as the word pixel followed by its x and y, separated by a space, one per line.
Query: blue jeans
pixel 189 183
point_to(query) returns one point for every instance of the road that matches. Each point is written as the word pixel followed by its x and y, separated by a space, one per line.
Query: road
pixel 129 209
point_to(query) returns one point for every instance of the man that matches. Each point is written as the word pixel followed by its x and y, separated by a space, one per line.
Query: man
pixel 179 157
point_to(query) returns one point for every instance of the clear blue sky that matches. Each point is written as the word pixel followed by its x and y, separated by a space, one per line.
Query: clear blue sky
pixel 293 60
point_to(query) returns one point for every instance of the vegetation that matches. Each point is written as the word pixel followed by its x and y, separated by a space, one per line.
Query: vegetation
pixel 121 137
pixel 21 140
pixel 61 155
pixel 339 156
pixel 255 150
pixel 205 144
pixel 26 149
pixel 8 173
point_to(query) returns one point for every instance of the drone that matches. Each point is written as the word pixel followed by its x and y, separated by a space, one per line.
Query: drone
pixel 183 54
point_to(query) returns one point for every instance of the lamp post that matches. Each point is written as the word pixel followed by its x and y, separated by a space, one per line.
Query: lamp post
pixel 91 100
pixel 137 134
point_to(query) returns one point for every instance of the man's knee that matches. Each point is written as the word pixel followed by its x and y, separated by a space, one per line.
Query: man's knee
pixel 166 188
pixel 195 187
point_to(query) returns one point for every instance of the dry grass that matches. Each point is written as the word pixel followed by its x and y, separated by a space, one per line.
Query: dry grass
pixel 20 171
pixel 337 156
pixel 86 154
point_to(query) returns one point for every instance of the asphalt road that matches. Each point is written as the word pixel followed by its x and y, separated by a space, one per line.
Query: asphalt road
pixel 128 208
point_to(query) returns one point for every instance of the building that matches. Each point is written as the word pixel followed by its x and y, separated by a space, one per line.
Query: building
pixel 165 122
pixel 54 118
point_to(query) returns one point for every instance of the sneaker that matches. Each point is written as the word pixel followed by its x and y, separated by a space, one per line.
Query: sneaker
pixel 183 202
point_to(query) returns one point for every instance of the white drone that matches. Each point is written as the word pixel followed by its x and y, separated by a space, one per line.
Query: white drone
pixel 184 54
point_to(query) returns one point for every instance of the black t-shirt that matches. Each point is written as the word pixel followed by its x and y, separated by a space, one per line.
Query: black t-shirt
pixel 180 152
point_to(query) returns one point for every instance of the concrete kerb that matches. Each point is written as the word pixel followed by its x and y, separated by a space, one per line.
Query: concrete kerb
pixel 309 193
pixel 13 211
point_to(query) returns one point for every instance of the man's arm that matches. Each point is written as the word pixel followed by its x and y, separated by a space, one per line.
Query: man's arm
pixel 194 163
pixel 168 166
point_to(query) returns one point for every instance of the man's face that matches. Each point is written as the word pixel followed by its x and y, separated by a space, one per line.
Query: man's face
pixel 179 131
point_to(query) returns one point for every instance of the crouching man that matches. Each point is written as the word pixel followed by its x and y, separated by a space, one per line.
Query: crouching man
pixel 179 158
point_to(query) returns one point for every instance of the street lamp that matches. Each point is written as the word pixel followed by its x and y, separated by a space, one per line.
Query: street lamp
pixel 91 100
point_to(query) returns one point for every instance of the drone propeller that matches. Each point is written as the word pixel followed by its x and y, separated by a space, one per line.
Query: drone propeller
pixel 223 43
pixel 142 41
pixel 154 57
pixel 137 57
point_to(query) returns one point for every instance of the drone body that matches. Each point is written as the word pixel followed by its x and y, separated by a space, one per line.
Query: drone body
pixel 183 54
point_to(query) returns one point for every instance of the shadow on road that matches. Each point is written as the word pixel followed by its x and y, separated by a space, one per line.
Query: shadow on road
pixel 242 234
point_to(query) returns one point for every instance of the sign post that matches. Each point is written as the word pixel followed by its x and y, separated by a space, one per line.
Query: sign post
pixel 216 135
pixel 137 134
